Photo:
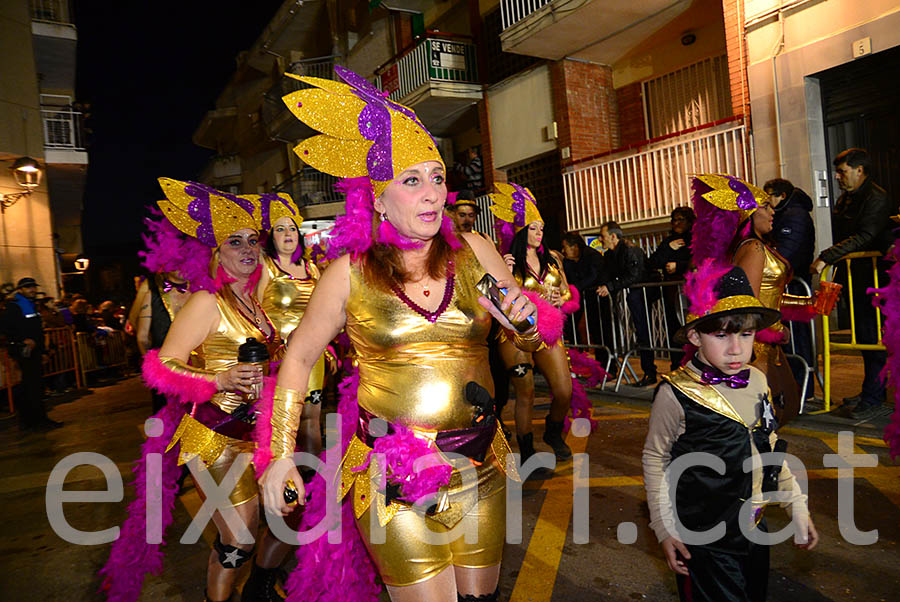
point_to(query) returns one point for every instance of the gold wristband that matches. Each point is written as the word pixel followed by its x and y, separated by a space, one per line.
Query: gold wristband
pixel 287 405
pixel 795 300
pixel 182 368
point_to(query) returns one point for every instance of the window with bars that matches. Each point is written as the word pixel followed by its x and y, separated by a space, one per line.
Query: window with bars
pixel 689 97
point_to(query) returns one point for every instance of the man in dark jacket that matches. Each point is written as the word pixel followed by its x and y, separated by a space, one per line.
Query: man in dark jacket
pixel 671 260
pixel 586 269
pixel 861 221
pixel 23 328
pixel 627 265
pixel 795 239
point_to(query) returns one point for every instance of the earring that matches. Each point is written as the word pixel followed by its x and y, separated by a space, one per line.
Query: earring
pixel 384 217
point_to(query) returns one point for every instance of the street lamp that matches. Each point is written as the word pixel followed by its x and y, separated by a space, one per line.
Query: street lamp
pixel 27 173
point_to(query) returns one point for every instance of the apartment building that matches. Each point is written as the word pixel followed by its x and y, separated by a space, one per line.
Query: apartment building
pixel 40 230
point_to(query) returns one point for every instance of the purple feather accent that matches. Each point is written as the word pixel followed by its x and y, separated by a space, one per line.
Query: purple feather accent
pixel 352 232
pixel 169 250
pixel 887 299
pixel 132 557
pixel 505 234
pixel 265 208
pixel 717 225
pixel 388 235
pixel 328 572
pixel 700 286
pixel 745 199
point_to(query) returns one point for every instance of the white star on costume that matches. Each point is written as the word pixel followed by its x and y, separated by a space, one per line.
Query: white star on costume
pixel 521 370
pixel 232 557
pixel 315 397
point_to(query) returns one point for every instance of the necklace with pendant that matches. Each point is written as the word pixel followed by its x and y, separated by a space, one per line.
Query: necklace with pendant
pixel 252 311
pixel 425 290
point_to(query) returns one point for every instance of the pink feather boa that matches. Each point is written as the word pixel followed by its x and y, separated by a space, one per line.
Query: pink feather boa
pixel 887 299
pixel 798 313
pixel 700 286
pixel 573 304
pixel 131 557
pixel 771 336
pixel 168 250
pixel 262 428
pixel 181 388
pixel 584 366
pixel 328 572
pixel 549 318
pixel 411 463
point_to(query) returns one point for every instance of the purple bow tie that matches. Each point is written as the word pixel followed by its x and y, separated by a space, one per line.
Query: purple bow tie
pixel 714 376
pixel 181 287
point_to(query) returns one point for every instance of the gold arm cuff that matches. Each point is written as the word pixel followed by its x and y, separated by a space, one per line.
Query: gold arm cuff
pixel 287 405
pixel 528 342
pixel 795 300
pixel 179 367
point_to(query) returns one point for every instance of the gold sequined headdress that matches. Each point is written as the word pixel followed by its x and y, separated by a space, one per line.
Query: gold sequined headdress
pixel 515 205
pixel 732 194
pixel 363 133
pixel 210 215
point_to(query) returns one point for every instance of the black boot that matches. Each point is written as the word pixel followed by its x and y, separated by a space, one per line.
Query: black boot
pixel 554 438
pixel 261 586
pixel 526 450
pixel 485 598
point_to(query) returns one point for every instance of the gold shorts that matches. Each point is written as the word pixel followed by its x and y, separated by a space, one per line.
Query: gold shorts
pixel 216 453
pixel 407 558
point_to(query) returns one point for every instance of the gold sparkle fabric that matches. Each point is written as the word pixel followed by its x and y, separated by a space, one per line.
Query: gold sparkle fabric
pixel 730 303
pixel 691 384
pixel 412 371
pixel 341 112
pixel 724 197
pixel 553 278
pixel 519 211
pixel 287 405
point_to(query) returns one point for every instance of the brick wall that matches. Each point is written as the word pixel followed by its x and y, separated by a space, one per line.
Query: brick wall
pixel 631 114
pixel 733 11
pixel 491 175
pixel 584 106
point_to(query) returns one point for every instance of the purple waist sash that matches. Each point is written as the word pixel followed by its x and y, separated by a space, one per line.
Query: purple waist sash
pixel 234 425
pixel 472 442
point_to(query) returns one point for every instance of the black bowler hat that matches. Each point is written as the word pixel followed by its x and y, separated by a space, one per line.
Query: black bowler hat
pixel 731 294
pixel 26 282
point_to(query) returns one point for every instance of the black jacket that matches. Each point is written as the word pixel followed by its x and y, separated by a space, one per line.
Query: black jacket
pixel 627 266
pixel 664 254
pixel 861 221
pixel 794 232
pixel 588 272
pixel 17 327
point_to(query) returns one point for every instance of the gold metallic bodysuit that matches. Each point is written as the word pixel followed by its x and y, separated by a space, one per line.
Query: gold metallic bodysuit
pixel 284 301
pixel 413 372
pixel 217 354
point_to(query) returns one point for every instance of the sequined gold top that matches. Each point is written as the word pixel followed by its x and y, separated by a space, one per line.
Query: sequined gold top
pixel 285 298
pixel 413 371
pixel 775 277
pixel 551 278
pixel 219 351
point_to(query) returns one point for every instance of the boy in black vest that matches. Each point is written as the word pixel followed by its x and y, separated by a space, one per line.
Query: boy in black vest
pixel 718 405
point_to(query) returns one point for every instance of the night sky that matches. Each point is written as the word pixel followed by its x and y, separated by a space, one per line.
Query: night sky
pixel 150 71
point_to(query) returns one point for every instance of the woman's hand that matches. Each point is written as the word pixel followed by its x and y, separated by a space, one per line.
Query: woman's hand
pixel 510 261
pixel 273 482
pixel 676 244
pixel 555 297
pixel 239 377
pixel 515 305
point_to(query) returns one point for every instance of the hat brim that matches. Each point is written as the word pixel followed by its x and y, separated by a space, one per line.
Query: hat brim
pixel 769 317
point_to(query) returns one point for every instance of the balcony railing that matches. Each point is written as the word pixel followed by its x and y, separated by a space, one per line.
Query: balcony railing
pixel 274 112
pixel 648 184
pixel 433 59
pixel 310 187
pixel 51 11
pixel 513 11
pixel 63 129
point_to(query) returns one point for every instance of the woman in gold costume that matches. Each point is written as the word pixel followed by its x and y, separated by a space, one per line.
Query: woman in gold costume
pixel 730 209
pixel 539 272
pixel 406 292
pixel 209 418
pixel 287 283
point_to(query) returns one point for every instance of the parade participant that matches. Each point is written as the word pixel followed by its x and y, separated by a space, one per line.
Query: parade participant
pixel 164 294
pixel 539 272
pixel 211 395
pixel 729 209
pixel 405 287
pixel 718 404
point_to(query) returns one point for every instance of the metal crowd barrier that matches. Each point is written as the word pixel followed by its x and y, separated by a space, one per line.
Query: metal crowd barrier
pixel 661 304
pixel 827 344
pixel 100 352
pixel 63 356
pixel 9 376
